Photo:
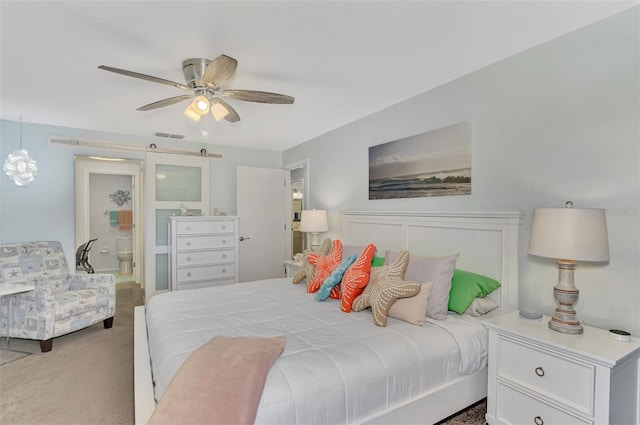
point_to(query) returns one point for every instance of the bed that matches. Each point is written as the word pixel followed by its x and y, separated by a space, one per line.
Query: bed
pixel 338 367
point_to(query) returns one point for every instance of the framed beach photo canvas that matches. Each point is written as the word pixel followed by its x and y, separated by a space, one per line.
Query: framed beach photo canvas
pixel 434 163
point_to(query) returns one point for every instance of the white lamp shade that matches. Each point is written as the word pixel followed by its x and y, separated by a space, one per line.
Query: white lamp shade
pixel 314 221
pixel 577 234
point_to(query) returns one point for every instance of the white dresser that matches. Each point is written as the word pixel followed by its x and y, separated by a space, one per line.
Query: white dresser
pixel 542 377
pixel 203 251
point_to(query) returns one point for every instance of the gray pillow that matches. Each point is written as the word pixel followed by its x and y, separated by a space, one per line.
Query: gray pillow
pixel 438 270
pixel 348 250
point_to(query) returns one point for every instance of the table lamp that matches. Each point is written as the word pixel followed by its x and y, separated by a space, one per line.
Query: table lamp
pixel 568 235
pixel 314 222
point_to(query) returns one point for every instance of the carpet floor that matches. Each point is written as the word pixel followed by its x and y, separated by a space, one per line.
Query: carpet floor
pixel 88 376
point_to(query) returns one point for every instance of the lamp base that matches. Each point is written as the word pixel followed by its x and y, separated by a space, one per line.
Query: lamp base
pixel 568 325
pixel 564 319
pixel 315 243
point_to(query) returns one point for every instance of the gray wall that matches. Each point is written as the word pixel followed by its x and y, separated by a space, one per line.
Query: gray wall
pixel 557 122
pixel 44 210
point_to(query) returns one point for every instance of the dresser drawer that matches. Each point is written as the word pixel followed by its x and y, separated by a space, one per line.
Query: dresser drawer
pixel 208 226
pixel 198 258
pixel 515 407
pixel 203 284
pixel 563 379
pixel 204 242
pixel 188 274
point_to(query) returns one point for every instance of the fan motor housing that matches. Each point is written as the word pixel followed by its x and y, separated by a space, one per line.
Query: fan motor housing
pixel 193 70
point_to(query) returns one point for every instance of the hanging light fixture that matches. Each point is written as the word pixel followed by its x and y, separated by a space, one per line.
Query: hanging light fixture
pixel 219 111
pixel 19 166
pixel 199 107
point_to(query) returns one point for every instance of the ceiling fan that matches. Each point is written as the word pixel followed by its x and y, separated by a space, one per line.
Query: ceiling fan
pixel 204 79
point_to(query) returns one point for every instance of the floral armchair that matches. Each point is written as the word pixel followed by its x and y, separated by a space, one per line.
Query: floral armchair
pixel 61 302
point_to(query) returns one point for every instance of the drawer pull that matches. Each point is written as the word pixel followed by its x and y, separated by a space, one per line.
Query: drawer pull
pixel 224 227
pixel 538 420
pixel 188 243
pixel 188 273
pixel 188 227
pixel 188 258
pixel 539 371
pixel 224 241
pixel 224 270
pixel 224 256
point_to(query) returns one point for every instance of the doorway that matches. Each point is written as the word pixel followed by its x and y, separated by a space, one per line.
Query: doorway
pixel 299 200
pixel 108 205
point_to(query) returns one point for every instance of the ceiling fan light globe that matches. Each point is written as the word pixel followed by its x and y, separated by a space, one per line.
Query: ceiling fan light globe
pixel 201 105
pixel 219 111
pixel 190 113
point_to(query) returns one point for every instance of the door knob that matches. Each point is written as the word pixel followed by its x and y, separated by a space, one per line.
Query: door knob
pixel 242 238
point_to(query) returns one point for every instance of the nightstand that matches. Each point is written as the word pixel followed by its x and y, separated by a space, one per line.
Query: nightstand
pixel 291 268
pixel 540 376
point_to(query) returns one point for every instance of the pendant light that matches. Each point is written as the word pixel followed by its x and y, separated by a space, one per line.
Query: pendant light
pixel 19 166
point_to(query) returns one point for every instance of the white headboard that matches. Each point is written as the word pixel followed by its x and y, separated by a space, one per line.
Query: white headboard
pixel 487 241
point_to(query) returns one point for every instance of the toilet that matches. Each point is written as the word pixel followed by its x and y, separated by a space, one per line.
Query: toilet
pixel 124 252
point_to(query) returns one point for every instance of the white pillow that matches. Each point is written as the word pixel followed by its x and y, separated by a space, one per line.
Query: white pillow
pixel 413 309
pixel 481 306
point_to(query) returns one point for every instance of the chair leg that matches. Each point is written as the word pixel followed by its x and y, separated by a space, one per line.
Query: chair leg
pixel 108 323
pixel 47 345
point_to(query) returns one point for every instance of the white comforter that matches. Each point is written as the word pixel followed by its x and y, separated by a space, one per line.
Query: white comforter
pixel 336 367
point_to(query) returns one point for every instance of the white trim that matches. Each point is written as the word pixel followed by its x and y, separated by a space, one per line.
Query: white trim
pixel 85 166
pixel 144 400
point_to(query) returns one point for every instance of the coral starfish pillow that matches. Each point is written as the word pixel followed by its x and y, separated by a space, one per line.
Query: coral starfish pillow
pixel 308 270
pixel 386 287
pixel 324 266
pixel 334 278
pixel 356 278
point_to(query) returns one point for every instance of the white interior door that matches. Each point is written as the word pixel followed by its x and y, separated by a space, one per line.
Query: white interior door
pixel 264 207
pixel 172 182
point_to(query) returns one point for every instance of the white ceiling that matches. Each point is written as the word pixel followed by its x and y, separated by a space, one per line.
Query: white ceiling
pixel 341 60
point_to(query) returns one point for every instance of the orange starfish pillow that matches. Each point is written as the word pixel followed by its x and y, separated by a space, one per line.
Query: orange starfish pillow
pixel 324 266
pixel 356 278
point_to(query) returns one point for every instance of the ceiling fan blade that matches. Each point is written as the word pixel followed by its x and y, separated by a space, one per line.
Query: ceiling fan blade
pixel 257 96
pixel 165 102
pixel 219 71
pixel 232 116
pixel 145 77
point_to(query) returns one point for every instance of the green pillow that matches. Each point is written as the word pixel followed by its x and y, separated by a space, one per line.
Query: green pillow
pixel 467 286
pixel 377 261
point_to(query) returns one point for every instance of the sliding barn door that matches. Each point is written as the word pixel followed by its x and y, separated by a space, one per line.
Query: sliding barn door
pixel 172 182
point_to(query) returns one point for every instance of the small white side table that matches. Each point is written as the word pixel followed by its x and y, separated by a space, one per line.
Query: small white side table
pixel 7 289
pixel 539 376
pixel 291 268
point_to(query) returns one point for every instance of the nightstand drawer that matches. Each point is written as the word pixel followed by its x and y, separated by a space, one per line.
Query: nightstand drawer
pixel 556 377
pixel 515 407
pixel 204 257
